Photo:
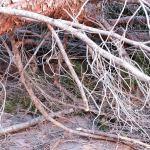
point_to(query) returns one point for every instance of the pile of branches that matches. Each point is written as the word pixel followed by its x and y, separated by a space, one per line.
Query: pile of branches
pixel 109 40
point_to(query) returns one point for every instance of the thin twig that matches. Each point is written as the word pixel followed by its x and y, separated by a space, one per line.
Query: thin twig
pixel 73 73
pixel 115 60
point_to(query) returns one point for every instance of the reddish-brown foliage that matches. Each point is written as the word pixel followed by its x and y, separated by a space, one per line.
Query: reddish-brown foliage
pixel 54 8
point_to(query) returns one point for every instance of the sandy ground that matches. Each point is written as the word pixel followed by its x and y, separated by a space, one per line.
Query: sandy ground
pixel 46 136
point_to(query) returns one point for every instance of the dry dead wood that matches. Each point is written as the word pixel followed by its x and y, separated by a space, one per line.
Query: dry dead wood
pixel 24 125
pixel 138 145
pixel 68 26
pixel 133 143
pixel 39 105
pixel 64 9
pixel 73 73
pixel 129 1
pixel 124 20
pixel 94 47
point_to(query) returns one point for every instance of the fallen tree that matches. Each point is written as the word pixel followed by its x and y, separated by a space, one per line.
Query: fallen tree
pixel 75 10
pixel 109 56
pixel 71 10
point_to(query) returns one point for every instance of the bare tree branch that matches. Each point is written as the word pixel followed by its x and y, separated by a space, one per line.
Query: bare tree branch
pixel 83 37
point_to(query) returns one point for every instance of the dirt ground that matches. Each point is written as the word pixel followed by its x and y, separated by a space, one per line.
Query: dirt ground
pixel 46 136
